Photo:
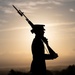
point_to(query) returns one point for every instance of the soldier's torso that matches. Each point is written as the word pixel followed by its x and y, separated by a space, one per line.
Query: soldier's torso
pixel 38 64
pixel 37 48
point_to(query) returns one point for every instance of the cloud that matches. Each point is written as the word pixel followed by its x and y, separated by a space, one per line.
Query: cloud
pixel 35 3
pixel 65 0
pixel 71 10
pixel 5 9
pixel 32 3
pixel 49 2
pixel 56 3
pixel 12 29
pixel 49 7
pixel 63 24
pixel 67 24
pixel 3 21
pixel 8 11
pixel 19 4
pixel 28 5
pixel 41 2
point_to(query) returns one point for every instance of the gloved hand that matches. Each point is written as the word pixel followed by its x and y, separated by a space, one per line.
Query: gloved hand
pixel 55 55
pixel 45 40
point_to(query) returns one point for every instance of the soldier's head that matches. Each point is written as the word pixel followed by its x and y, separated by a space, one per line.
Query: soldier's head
pixel 38 29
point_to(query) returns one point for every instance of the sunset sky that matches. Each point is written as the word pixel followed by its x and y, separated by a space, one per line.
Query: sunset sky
pixel 16 38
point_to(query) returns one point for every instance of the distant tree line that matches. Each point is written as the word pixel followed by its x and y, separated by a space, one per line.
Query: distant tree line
pixel 70 70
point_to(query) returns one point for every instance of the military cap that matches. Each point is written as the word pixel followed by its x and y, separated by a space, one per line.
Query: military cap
pixel 37 28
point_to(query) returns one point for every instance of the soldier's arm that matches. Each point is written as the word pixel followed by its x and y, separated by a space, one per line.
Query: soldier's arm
pixel 52 53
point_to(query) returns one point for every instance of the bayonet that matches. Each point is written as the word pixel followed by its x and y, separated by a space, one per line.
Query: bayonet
pixel 22 14
pixel 19 11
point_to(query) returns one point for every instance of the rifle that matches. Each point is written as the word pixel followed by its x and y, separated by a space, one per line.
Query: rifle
pixel 32 25
pixel 22 14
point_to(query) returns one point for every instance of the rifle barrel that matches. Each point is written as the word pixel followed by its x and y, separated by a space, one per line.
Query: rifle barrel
pixel 22 14
pixel 15 7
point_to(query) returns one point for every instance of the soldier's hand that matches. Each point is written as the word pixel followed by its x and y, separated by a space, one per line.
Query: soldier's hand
pixel 55 55
pixel 45 40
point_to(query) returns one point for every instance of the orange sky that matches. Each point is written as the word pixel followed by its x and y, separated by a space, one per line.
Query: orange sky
pixel 16 38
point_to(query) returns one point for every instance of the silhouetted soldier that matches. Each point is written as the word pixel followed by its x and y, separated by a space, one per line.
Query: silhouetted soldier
pixel 38 66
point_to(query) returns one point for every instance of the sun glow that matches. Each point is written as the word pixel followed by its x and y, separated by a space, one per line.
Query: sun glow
pixel 16 37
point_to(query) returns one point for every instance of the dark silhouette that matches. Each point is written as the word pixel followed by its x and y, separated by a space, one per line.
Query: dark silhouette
pixel 12 72
pixel 38 66
pixel 70 70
